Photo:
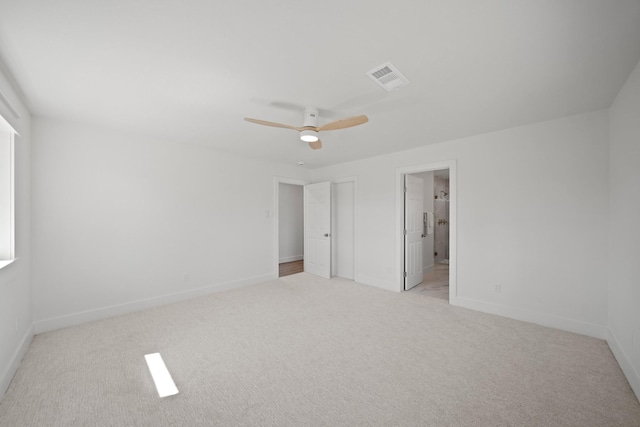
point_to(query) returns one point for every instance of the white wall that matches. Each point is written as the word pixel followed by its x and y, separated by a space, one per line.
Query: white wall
pixel 624 211
pixel 427 241
pixel 123 222
pixel 290 222
pixel 119 220
pixel 16 316
pixel 552 267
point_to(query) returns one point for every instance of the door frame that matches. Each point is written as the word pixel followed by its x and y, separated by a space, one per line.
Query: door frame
pixel 276 216
pixel 453 222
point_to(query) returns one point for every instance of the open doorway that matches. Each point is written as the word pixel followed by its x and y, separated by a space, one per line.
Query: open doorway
pixel 288 226
pixel 435 237
pixel 431 216
pixel 290 229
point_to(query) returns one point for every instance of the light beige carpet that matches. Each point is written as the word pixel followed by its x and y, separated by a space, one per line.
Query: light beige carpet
pixel 305 351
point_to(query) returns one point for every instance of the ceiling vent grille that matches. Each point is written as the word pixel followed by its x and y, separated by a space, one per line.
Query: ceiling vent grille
pixel 388 76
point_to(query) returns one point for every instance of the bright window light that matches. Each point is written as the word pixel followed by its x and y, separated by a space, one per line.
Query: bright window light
pixel 7 154
pixel 161 376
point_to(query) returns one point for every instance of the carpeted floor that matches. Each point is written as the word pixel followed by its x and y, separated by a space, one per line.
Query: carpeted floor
pixel 302 350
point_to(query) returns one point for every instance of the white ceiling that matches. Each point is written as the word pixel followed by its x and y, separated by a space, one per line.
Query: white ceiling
pixel 191 70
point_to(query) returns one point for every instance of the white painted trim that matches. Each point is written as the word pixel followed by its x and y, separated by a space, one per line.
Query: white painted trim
pixel 345 179
pixel 54 323
pixel 277 180
pixel 453 222
pixel 12 196
pixel 10 371
pixel 290 258
pixel 627 368
pixel 8 251
pixel 375 282
pixel 539 318
pixel 5 100
pixel 4 263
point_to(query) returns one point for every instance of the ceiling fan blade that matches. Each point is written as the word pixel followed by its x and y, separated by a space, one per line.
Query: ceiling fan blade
pixel 344 123
pixel 272 124
pixel 316 145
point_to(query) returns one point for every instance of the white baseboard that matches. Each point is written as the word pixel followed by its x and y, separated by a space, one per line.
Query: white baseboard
pixel 290 258
pixel 10 371
pixel 59 322
pixel 544 319
pixel 376 283
pixel 627 368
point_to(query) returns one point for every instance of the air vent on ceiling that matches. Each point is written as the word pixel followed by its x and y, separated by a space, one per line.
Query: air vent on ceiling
pixel 388 76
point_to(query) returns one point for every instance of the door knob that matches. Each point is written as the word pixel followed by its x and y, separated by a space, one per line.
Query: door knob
pixel 326 234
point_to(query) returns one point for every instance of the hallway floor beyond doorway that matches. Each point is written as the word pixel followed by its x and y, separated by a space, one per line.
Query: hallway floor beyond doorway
pixel 293 267
pixel 435 283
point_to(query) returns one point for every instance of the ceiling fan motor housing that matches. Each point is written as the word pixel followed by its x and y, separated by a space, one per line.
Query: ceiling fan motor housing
pixel 309 130
pixel 310 120
pixel 310 117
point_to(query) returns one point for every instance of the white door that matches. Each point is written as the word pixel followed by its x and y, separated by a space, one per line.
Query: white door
pixel 342 224
pixel 317 229
pixel 413 228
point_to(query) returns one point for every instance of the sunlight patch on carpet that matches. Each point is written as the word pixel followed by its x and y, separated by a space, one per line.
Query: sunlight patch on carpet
pixel 160 374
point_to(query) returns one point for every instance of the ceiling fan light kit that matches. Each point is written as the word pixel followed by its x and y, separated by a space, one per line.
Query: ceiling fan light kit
pixel 309 130
pixel 309 136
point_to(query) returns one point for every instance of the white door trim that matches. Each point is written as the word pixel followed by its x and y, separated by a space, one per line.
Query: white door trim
pixel 276 218
pixel 453 222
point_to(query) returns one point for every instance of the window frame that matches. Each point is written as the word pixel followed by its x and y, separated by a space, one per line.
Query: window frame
pixel 7 202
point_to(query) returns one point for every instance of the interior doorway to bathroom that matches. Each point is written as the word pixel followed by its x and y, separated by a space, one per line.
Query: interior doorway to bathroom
pixel 436 280
pixel 441 210
pixel 434 234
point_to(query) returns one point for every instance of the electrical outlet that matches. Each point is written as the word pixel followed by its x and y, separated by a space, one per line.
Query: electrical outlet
pixel 498 288
pixel 186 277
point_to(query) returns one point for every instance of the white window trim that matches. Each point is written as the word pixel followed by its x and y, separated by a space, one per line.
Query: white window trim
pixel 5 263
pixel 11 256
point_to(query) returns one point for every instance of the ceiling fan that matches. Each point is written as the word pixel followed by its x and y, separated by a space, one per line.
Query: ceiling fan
pixel 309 130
